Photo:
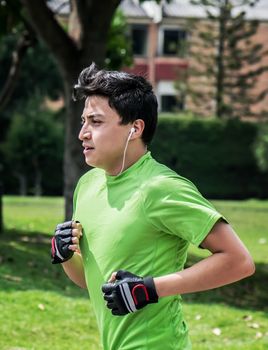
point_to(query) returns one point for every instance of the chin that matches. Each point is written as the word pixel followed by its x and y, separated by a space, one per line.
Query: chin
pixel 93 164
pixel 90 163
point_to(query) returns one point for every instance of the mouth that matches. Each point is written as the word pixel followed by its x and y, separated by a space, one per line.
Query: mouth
pixel 88 149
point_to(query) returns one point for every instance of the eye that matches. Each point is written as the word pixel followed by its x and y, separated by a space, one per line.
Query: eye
pixel 96 121
pixel 82 121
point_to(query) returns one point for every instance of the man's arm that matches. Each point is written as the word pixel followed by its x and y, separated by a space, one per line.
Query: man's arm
pixel 230 261
pixel 74 269
pixel 65 251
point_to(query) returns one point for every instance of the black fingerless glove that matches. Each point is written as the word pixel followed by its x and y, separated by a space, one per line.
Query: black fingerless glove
pixel 60 251
pixel 129 293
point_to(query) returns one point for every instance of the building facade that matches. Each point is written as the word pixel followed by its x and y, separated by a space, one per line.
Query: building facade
pixel 160 34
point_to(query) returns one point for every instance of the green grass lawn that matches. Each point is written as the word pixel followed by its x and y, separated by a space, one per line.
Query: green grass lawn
pixel 41 309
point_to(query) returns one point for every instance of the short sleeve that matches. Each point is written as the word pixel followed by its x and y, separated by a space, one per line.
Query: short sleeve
pixel 174 205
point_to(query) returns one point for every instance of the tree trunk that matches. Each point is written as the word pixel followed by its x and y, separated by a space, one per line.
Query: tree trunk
pixel 38 182
pixel 22 184
pixel 74 164
pixel 1 208
pixel 220 58
pixel 74 161
pixel 74 52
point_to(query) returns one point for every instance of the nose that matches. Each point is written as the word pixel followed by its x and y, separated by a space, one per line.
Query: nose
pixel 84 134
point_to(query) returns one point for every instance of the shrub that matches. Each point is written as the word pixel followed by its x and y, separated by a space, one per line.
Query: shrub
pixel 217 155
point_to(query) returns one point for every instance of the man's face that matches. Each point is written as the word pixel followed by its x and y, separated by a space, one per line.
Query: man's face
pixel 103 137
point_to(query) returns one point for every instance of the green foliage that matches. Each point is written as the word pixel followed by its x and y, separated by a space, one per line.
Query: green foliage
pixel 38 302
pixel 261 147
pixel 38 72
pixel 38 75
pixel 10 15
pixel 119 52
pixel 216 155
pixel 34 148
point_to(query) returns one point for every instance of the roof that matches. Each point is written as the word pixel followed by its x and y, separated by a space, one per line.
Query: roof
pixel 59 7
pixel 184 9
pixel 172 9
pixel 132 8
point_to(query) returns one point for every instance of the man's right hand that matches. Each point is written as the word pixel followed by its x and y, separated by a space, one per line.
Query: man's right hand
pixel 65 241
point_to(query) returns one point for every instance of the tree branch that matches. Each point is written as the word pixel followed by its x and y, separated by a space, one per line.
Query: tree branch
pixel 51 32
pixel 24 42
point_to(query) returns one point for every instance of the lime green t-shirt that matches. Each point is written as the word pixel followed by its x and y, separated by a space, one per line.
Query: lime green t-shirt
pixel 141 221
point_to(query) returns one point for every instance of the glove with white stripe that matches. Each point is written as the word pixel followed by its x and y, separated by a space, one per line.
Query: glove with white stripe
pixel 129 293
pixel 60 251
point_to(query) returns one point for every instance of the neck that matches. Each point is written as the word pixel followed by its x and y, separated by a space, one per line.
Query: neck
pixel 133 154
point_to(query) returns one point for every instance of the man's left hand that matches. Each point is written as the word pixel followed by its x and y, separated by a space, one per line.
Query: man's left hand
pixel 129 293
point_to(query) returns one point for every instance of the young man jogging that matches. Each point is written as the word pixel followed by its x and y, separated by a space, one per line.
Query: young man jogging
pixel 138 219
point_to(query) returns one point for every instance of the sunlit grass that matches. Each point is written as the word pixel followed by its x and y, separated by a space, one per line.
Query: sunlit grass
pixel 41 309
pixel 33 214
pixel 249 218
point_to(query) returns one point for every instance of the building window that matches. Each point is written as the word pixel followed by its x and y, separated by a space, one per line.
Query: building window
pixel 174 42
pixel 169 103
pixel 139 40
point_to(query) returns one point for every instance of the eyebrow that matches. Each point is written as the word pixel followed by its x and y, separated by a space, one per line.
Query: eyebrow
pixel 92 115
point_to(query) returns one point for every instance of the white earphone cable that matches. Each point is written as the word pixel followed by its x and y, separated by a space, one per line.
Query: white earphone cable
pixel 125 151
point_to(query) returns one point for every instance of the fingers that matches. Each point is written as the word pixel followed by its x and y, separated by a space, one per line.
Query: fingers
pixel 77 233
pixel 77 225
pixel 74 247
pixel 109 298
pixel 70 232
pixel 107 288
pixel 69 228
pixel 122 274
pixel 113 277
pixel 75 240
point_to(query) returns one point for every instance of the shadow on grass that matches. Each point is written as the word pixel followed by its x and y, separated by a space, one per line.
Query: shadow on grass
pixel 249 293
pixel 25 264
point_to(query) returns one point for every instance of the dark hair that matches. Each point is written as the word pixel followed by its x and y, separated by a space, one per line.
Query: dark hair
pixel 130 95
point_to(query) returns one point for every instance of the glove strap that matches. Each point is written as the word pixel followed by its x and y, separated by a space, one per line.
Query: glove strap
pixel 150 286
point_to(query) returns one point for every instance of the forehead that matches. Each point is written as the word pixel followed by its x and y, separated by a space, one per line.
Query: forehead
pixel 98 105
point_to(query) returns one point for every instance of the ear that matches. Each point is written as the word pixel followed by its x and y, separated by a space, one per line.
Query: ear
pixel 138 125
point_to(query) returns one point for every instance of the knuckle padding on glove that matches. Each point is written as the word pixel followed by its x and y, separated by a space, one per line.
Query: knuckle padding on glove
pixel 107 288
pixel 64 225
pixel 60 243
pixel 63 243
pixel 64 233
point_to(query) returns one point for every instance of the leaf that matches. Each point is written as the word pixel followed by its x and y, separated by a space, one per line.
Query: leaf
pixel 216 331
pixel 254 325
pixel 258 335
pixel 12 278
pixel 247 318
pixel 41 307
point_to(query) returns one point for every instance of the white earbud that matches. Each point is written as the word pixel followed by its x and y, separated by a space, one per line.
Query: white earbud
pixel 132 130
